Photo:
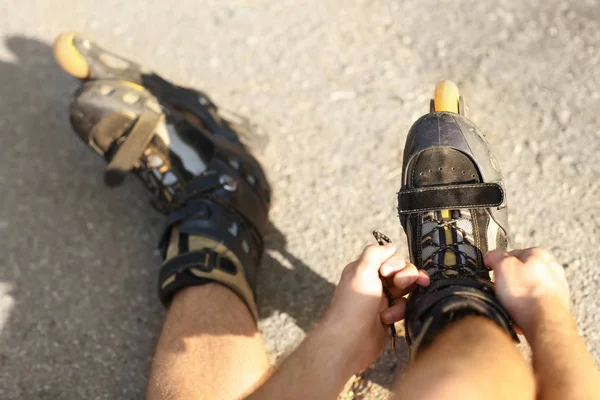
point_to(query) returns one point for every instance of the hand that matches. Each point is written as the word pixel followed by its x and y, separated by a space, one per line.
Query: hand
pixel 359 308
pixel 530 284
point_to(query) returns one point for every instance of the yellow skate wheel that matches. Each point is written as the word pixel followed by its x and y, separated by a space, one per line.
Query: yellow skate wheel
pixel 446 97
pixel 69 58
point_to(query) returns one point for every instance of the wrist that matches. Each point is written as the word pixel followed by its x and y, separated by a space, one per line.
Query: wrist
pixel 547 316
pixel 341 344
pixel 318 369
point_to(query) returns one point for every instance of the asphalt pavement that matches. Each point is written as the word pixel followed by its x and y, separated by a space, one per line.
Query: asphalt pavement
pixel 336 85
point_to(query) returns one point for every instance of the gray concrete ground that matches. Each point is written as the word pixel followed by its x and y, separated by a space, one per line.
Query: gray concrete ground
pixel 336 84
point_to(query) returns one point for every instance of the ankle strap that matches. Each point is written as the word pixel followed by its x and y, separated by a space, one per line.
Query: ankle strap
pixel 476 195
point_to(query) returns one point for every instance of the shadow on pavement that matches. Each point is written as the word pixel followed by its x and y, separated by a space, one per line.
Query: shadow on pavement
pixel 298 291
pixel 78 266
pixel 295 288
pixel 78 304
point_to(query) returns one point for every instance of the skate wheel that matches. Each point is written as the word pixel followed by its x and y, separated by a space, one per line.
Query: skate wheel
pixel 462 109
pixel 69 58
pixel 446 97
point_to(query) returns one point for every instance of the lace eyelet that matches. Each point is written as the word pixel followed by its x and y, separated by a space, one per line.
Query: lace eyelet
pixel 228 183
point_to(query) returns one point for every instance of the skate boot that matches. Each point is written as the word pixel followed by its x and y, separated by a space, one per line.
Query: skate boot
pixel 452 206
pixel 192 158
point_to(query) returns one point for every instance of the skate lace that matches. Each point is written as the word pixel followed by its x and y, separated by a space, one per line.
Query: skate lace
pixel 465 266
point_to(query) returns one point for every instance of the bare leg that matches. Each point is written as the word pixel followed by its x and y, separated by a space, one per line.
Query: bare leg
pixel 209 347
pixel 471 359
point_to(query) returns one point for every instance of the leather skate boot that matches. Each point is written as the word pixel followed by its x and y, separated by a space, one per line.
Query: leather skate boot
pixel 191 156
pixel 452 206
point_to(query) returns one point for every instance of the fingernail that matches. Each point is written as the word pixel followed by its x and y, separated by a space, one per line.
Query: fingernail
pixel 424 275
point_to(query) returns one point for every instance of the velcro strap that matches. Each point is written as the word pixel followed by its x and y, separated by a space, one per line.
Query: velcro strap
pixel 210 264
pixel 131 150
pixel 476 195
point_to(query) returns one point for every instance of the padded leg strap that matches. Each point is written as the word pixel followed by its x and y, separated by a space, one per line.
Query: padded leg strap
pixel 213 262
pixel 207 242
pixel 447 301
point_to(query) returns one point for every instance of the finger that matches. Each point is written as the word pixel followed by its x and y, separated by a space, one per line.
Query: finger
pixel 495 258
pixel 518 253
pixel 394 313
pixel 393 265
pixel 532 252
pixel 407 277
pixel 423 279
pixel 374 255
pixel 399 293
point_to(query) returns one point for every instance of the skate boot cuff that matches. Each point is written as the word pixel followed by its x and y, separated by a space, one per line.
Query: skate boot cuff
pixel 205 241
pixel 448 301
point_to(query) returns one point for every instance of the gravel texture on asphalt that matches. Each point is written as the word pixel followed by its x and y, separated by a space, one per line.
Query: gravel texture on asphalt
pixel 336 84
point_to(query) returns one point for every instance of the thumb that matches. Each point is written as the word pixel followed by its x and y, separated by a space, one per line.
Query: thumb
pixel 373 256
pixel 493 258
